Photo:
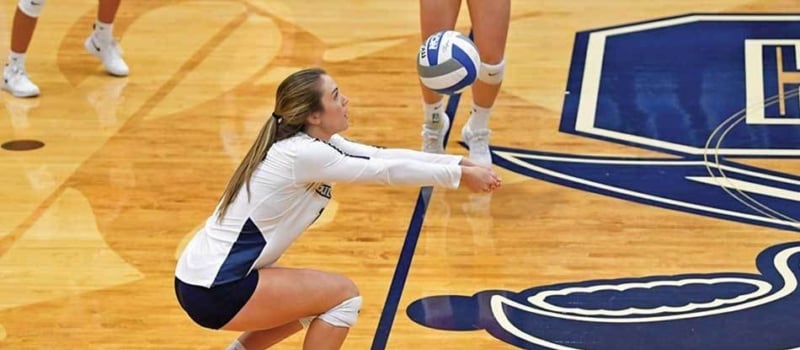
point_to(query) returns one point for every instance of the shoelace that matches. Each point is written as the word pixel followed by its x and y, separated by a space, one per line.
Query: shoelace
pixel 16 73
pixel 432 139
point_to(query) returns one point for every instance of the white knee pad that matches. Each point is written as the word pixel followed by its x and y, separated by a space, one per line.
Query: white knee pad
pixel 492 74
pixel 32 8
pixel 344 314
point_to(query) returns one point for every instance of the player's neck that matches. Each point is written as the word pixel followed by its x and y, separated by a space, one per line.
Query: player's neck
pixel 318 133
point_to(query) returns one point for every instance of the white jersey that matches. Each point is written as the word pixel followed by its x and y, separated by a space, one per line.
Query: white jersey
pixel 288 191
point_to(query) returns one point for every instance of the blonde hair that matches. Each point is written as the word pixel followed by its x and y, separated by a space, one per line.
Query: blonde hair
pixel 297 97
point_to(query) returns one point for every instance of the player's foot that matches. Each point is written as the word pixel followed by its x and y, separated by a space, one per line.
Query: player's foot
pixel 433 133
pixel 16 81
pixel 109 52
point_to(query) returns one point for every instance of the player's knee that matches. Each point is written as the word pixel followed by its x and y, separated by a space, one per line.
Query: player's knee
pixel 348 288
pixel 343 315
pixel 492 74
pixel 32 8
pixel 346 313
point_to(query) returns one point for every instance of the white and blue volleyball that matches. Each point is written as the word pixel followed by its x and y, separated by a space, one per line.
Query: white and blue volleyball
pixel 448 62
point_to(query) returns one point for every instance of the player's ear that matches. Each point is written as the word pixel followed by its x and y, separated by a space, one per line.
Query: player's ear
pixel 314 118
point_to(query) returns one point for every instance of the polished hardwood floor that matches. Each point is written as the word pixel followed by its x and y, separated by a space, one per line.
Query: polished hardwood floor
pixel 92 222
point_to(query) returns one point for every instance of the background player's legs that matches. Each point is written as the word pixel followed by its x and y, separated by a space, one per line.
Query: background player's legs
pixel 284 295
pixel 22 31
pixel 102 43
pixel 15 78
pixel 435 16
pixel 490 21
pixel 107 11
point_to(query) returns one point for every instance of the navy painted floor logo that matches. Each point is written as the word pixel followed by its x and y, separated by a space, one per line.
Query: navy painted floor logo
pixel 693 311
pixel 706 90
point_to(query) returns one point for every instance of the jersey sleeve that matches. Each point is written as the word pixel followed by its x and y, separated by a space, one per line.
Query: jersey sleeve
pixel 355 148
pixel 319 161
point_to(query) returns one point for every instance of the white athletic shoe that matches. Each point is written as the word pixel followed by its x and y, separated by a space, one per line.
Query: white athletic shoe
pixel 478 143
pixel 109 52
pixel 433 133
pixel 16 81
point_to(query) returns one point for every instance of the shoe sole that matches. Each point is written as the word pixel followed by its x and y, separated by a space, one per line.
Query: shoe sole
pixel 19 95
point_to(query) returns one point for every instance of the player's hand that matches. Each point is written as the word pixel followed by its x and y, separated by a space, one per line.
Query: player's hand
pixel 479 179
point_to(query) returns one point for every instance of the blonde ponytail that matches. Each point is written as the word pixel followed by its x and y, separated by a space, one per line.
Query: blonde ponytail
pixel 297 97
pixel 257 153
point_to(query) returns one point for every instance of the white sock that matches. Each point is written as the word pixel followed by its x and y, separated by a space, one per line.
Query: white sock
pixel 430 110
pixel 236 345
pixel 103 31
pixel 479 118
pixel 16 59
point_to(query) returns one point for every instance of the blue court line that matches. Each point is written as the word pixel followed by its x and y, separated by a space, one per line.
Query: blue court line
pixel 409 246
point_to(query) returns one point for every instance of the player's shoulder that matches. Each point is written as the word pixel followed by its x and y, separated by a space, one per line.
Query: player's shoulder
pixel 296 142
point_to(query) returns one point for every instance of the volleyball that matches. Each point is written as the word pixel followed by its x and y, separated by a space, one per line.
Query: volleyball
pixel 448 62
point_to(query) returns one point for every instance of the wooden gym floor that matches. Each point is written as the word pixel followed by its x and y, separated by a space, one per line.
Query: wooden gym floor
pixel 92 222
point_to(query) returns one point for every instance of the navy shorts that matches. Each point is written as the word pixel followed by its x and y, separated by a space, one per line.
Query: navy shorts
pixel 214 307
